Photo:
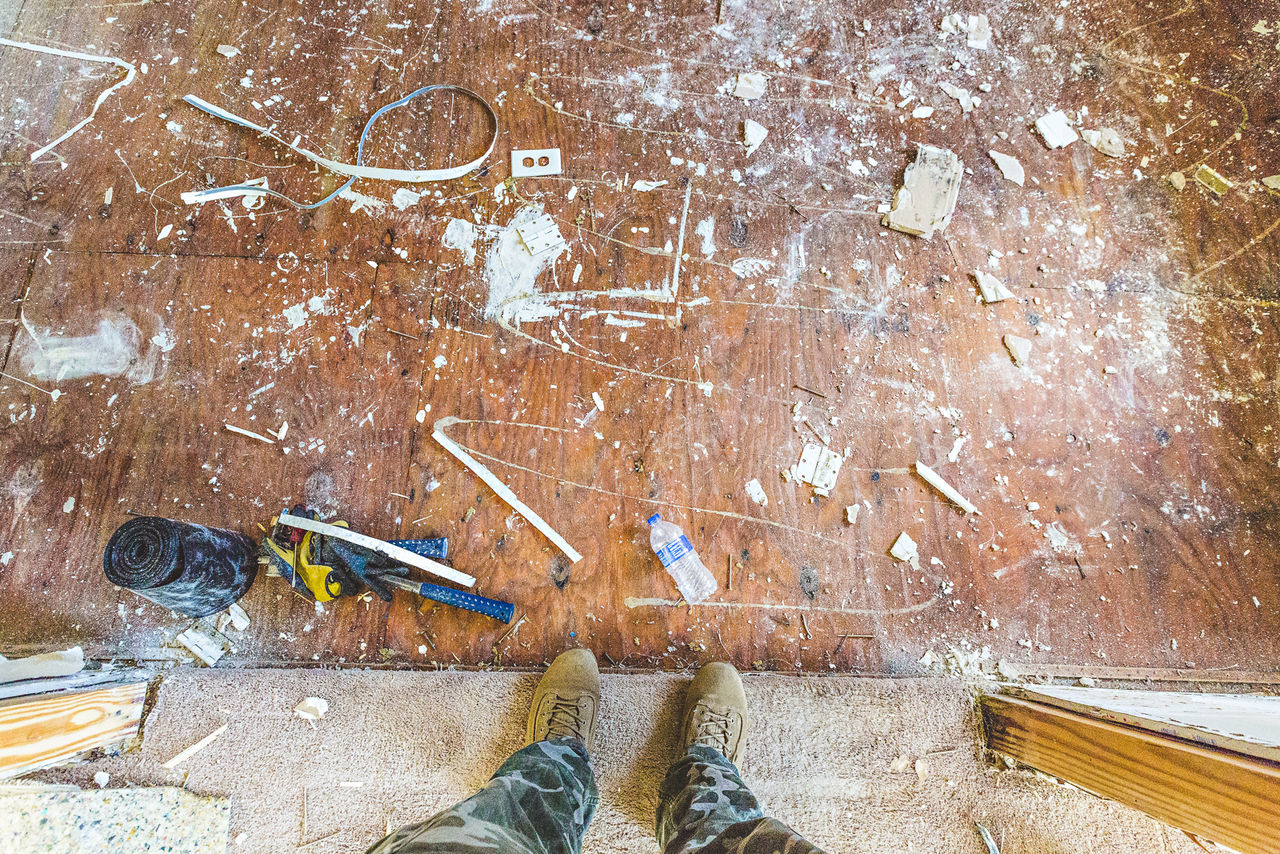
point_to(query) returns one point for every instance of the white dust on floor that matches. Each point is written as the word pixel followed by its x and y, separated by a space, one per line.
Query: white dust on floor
pixel 397 746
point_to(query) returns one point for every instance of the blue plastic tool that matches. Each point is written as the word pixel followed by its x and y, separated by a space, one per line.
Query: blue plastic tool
pixel 498 610
pixel 436 548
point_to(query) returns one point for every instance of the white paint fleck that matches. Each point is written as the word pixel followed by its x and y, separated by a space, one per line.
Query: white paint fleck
pixel 69 505
pixel 460 234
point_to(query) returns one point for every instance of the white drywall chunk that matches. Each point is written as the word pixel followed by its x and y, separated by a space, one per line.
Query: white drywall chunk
pixel 756 492
pixel 647 186
pixel 228 50
pixel 962 95
pixel 753 133
pixel 312 709
pixel 904 548
pixel 922 112
pixel 750 85
pixel 1055 129
pixel 1019 349
pixel 1105 140
pixel 993 290
pixel 927 198
pixel 1009 167
pixel 978 31
pixel 851 513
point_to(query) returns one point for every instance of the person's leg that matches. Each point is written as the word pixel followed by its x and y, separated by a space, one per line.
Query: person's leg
pixel 542 798
pixel 703 804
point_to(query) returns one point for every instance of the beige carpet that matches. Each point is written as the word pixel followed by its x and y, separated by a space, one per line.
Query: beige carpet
pixel 397 746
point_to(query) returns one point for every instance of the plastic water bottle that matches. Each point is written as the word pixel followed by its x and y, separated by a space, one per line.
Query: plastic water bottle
pixel 673 548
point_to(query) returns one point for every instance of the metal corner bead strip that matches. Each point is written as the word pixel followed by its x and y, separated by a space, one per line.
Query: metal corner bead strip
pixel 351 170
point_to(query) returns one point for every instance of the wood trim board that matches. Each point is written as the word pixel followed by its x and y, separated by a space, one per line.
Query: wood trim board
pixel 1243 723
pixel 1215 794
pixel 44 730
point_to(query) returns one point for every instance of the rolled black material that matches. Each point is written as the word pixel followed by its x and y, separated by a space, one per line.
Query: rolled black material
pixel 191 569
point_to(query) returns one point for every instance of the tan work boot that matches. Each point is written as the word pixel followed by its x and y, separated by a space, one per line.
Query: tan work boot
pixel 566 700
pixel 715 710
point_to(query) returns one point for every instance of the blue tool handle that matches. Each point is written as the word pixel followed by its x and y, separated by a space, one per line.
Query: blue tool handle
pixel 436 548
pixel 501 611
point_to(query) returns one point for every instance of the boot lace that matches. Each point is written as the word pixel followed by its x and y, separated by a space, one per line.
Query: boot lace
pixel 713 729
pixel 565 719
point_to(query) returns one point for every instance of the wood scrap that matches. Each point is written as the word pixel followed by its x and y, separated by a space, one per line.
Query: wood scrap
pixel 37 732
pixel 936 481
pixel 49 664
pixel 186 753
pixel 501 489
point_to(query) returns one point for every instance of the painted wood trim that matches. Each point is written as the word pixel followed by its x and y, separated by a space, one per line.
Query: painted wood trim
pixel 1215 794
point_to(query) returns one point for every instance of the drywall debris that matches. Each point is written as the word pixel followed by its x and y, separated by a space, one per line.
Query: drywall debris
pixel 503 491
pixel 1271 182
pixel 992 289
pixel 312 709
pixel 756 492
pixel 1178 180
pixel 922 769
pixel 44 666
pixel 904 549
pixel 750 85
pixel 935 480
pixel 535 162
pixel 648 186
pixel 1105 140
pixel 922 112
pixel 851 513
pixel 978 32
pixel 954 453
pixel 1212 181
pixel 753 133
pixel 817 467
pixel 1009 167
pixel 1055 129
pixel 1019 349
pixel 404 198
pixel 966 100
pixel 230 51
pixel 927 198
pixel 901 764
pixel 101 779
pixel 200 745
pixel 235 617
pixel 460 235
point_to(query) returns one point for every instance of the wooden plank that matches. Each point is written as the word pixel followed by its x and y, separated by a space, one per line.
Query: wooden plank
pixel 1221 796
pixel 1241 723
pixel 46 730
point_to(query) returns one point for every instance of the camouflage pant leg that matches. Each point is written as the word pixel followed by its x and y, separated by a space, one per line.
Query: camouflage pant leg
pixel 539 802
pixel 705 807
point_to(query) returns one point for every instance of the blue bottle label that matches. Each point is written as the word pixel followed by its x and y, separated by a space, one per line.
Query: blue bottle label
pixel 674 550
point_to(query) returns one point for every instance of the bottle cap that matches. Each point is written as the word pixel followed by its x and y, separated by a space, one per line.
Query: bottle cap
pixel 654 518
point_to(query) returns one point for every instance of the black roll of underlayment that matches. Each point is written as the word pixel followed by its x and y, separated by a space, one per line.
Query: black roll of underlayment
pixel 191 569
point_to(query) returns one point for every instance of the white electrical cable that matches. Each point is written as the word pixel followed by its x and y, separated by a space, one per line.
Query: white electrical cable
pixel 131 72
pixel 351 170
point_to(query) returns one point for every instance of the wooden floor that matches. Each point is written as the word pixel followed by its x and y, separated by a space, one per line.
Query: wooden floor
pixel 1126 476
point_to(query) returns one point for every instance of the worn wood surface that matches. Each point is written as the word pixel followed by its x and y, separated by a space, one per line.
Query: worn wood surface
pixel 37 732
pixel 1215 794
pixel 1143 428
pixel 1246 724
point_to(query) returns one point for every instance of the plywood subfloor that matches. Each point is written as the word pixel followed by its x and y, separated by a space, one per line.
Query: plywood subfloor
pixel 746 307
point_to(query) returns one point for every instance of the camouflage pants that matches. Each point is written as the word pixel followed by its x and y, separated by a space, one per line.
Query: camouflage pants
pixel 542 798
